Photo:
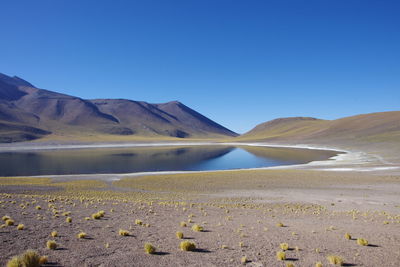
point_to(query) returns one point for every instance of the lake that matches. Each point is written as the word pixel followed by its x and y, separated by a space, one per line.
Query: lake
pixel 150 159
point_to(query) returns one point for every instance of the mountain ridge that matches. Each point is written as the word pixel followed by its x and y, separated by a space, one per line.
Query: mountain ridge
pixel 24 106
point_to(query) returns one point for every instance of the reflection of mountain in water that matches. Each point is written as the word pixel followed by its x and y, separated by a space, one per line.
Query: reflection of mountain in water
pixel 290 155
pixel 125 160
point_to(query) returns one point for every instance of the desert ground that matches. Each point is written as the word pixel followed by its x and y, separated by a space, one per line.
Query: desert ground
pixel 319 214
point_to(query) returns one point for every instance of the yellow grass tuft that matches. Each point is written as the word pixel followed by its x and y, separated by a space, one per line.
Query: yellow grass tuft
pixel 183 224
pixel 43 260
pixel 68 219
pixel 10 222
pixel 279 224
pixel 347 236
pixel 289 264
pixel 318 264
pixel 29 259
pixel 51 244
pixel 96 216
pixel 362 242
pixel 187 246
pixel 82 235
pixel 336 260
pixel 281 256
pixel 179 235
pixel 54 234
pixel 38 207
pixel 15 262
pixel 197 228
pixel 149 248
pixel 20 226
pixel 284 246
pixel 5 218
pixel 138 222
pixel 123 232
pixel 243 260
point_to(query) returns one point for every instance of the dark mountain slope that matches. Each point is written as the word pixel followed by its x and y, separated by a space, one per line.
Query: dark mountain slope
pixel 24 105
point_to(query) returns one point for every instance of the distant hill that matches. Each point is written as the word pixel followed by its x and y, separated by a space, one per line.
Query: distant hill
pixel 27 113
pixel 374 129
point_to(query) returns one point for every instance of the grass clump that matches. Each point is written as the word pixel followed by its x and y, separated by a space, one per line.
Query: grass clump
pixel 347 236
pixel 101 213
pixel 289 264
pixel 284 246
pixel 29 259
pixel 187 246
pixel 82 235
pixel 123 232
pixel 197 228
pixel 15 262
pixel 244 260
pixel 96 216
pixel 279 224
pixel 10 222
pixel 183 224
pixel 51 244
pixel 149 248
pixel 362 242
pixel 281 256
pixel 68 219
pixel 43 260
pixel 138 222
pixel 318 264
pixel 5 218
pixel 20 226
pixel 54 234
pixel 336 260
pixel 179 235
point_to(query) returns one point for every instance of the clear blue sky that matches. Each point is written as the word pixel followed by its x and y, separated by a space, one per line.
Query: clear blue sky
pixel 238 62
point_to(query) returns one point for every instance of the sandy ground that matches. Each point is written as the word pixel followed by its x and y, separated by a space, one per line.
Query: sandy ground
pixel 239 211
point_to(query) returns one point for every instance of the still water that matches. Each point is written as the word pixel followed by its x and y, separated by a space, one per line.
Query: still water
pixel 148 159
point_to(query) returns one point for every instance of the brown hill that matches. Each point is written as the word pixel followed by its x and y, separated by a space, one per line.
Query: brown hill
pixel 24 105
pixel 379 132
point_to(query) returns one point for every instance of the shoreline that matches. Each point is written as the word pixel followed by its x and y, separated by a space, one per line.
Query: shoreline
pixel 344 161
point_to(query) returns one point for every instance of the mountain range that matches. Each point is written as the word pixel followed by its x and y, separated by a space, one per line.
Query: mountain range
pixel 27 113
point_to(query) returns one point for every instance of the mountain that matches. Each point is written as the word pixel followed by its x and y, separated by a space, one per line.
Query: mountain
pixel 371 132
pixel 27 112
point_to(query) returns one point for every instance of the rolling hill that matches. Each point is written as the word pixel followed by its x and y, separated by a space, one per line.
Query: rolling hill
pixel 379 126
pixel 374 132
pixel 27 112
